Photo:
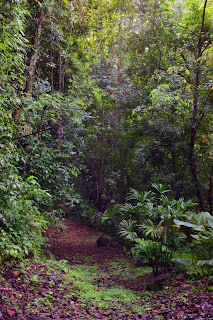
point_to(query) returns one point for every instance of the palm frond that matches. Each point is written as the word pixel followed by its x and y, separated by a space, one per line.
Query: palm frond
pixel 154 230
pixel 141 196
pixel 161 188
pixel 128 207
pixel 126 228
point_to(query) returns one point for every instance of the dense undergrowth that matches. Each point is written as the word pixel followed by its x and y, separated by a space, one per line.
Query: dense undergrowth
pixel 97 101
pixel 159 230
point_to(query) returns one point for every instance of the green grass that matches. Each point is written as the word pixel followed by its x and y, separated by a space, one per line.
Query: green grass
pixel 83 281
pixel 126 270
pixel 56 286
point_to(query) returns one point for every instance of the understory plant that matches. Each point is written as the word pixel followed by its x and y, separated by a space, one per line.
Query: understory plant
pixel 22 219
pixel 146 220
pixel 200 228
pixel 153 253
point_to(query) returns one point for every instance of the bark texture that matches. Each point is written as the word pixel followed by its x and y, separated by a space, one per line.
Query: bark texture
pixel 34 54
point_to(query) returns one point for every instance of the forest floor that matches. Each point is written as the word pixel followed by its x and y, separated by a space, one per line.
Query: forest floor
pixel 87 282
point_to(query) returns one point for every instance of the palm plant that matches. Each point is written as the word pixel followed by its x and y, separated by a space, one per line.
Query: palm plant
pixel 127 228
pixel 161 188
pixel 153 253
pixel 127 210
pixel 153 219
pixel 155 231
pixel 139 196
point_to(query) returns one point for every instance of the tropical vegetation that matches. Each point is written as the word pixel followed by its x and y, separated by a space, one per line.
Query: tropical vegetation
pixel 101 101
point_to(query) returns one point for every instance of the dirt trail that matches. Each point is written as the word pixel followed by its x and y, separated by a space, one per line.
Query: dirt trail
pixel 95 285
pixel 182 299
pixel 77 245
pixel 78 242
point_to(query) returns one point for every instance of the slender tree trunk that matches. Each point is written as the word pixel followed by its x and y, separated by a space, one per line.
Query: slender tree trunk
pixel 119 80
pixel 195 119
pixel 52 70
pixel 193 169
pixel 33 58
pixel 193 131
pixel 60 72
pixel 100 179
pixel 175 171
pixel 101 175
pixel 211 192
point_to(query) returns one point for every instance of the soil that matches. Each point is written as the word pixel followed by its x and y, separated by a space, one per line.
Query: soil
pixel 37 290
pixel 77 245
pixel 78 242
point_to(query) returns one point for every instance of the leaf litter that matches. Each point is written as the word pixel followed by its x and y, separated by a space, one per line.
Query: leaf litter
pixel 88 282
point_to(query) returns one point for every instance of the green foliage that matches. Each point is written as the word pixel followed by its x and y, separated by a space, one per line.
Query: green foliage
pixel 161 188
pixel 12 49
pixel 121 96
pixel 150 223
pixel 139 196
pixel 164 60
pixel 21 220
pixel 157 256
pixel 155 215
pixel 47 144
pixel 202 245
pixel 127 229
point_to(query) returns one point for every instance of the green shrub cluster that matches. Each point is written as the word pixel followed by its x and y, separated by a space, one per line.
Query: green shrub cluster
pixel 21 218
pixel 157 227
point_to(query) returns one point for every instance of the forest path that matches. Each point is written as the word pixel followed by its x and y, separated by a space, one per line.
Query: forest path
pixel 78 242
pixel 77 245
pixel 95 284
pixel 114 287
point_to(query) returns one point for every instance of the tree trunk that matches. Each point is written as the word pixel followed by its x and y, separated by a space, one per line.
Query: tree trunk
pixel 195 118
pixel 34 56
pixel 211 192
pixel 52 70
pixel 60 73
pixel 175 172
pixel 194 171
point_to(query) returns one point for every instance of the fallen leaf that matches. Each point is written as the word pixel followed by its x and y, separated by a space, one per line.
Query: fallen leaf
pixel 10 311
pixel 180 315
pixel 186 285
pixel 155 310
pixel 16 273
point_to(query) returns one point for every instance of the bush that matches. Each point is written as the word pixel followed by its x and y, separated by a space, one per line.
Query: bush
pixel 153 253
pixel 21 218
pixel 201 230
pixel 147 221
